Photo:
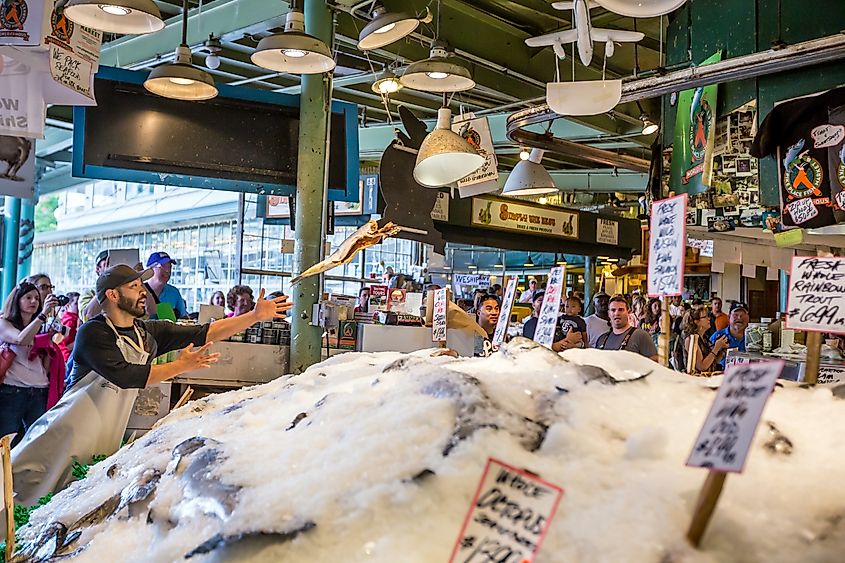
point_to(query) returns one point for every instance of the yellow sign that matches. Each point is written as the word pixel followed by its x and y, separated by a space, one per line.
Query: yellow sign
pixel 510 216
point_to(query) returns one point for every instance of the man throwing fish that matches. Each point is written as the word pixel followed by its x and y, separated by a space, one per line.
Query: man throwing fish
pixel 112 361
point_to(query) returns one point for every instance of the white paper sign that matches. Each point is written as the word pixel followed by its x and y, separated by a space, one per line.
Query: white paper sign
pixel 827 135
pixel 475 280
pixel 725 438
pixel 816 299
pixel 667 247
pixel 547 323
pixel 22 107
pixel 505 313
pixel 509 517
pixel 802 210
pixel 71 71
pixel 17 171
pixel 440 211
pixel 831 375
pixel 477 134
pixel 607 231
pixel 22 22
pixel 438 319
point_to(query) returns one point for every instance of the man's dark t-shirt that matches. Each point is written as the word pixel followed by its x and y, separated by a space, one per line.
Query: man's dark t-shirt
pixel 565 323
pixel 96 349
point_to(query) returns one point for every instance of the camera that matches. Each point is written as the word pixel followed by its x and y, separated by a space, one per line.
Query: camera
pixel 62 300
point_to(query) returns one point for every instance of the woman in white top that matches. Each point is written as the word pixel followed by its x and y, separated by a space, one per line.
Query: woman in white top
pixel 23 392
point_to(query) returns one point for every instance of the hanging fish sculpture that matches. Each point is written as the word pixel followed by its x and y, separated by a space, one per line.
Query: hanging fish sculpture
pixel 368 235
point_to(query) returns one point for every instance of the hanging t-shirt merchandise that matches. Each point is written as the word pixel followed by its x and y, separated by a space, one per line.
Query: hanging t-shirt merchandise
pixel 807 136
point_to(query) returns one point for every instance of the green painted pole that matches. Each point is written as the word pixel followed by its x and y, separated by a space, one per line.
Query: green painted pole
pixel 314 110
pixel 11 232
pixel 589 280
pixel 26 238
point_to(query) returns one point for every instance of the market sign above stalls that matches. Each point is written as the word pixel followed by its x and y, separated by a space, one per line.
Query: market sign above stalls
pixel 512 224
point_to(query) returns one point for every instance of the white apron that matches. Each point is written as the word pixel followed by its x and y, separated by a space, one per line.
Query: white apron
pixel 89 419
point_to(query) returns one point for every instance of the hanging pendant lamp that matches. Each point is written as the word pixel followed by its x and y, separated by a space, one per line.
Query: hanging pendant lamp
pixel 293 50
pixel 444 156
pixel 181 80
pixel 529 263
pixel 438 73
pixel 387 83
pixel 116 16
pixel 529 177
pixel 387 27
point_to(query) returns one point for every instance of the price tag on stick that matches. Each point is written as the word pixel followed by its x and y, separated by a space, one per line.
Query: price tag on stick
pixel 667 247
pixel 508 518
pixel 438 321
pixel 547 323
pixel 723 443
pixel 505 314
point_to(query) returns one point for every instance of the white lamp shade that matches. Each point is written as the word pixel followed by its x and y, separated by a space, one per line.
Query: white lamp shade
pixel 529 177
pixel 444 156
pixel 116 16
pixel 386 28
pixel 293 52
pixel 641 8
pixel 437 75
pixel 587 97
pixel 181 80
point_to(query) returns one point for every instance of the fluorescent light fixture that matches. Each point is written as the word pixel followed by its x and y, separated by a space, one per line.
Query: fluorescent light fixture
pixel 387 83
pixel 529 177
pixel 472 265
pixel 444 156
pixel 116 16
pixel 293 50
pixel 437 73
pixel 386 28
pixel 649 126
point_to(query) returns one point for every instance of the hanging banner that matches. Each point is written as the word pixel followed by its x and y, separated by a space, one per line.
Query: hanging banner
pixel 18 179
pixel 476 131
pixel 722 444
pixel 607 231
pixel 22 22
pixel 695 133
pixel 476 280
pixel 510 216
pixel 505 313
pixel 547 323
pixel 22 106
pixel 82 41
pixel 492 531
pixel 816 298
pixel 72 71
pixel 667 247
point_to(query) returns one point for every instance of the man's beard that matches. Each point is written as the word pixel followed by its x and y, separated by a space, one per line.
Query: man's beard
pixel 131 307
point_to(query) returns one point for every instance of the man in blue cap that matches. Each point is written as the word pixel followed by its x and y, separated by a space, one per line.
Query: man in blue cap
pixel 165 297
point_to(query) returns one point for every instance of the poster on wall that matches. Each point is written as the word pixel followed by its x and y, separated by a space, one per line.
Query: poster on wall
pixel 17 167
pixel 694 139
pixel 667 247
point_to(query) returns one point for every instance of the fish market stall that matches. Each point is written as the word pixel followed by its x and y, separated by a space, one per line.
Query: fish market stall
pixel 378 456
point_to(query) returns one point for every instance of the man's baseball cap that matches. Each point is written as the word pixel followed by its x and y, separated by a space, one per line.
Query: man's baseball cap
pixel 738 305
pixel 160 259
pixel 117 276
pixel 101 256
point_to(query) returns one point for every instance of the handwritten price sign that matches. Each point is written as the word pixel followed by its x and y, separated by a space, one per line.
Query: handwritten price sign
pixel 438 322
pixel 816 300
pixel 547 322
pixel 667 247
pixel 505 314
pixel 723 442
pixel 509 517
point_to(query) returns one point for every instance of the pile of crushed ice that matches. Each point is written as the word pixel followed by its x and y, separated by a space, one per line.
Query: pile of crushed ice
pixel 376 457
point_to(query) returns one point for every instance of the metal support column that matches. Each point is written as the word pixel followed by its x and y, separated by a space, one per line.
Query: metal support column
pixel 11 233
pixel 27 238
pixel 314 110
pixel 589 280
pixel 784 290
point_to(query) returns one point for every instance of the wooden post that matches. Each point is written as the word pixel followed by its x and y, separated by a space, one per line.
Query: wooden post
pixel 665 333
pixel 186 396
pixel 704 506
pixel 8 493
pixel 814 357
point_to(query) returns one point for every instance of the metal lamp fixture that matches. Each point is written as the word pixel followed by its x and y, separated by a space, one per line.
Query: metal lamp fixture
pixel 437 73
pixel 293 50
pixel 649 126
pixel 529 263
pixel 387 27
pixel 116 16
pixel 387 83
pixel 529 177
pixel 560 260
pixel 444 156
pixel 181 80
pixel 499 263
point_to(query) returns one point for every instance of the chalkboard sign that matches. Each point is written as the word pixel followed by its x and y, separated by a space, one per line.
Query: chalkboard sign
pixel 243 140
pixel 723 442
pixel 667 247
pixel 816 299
